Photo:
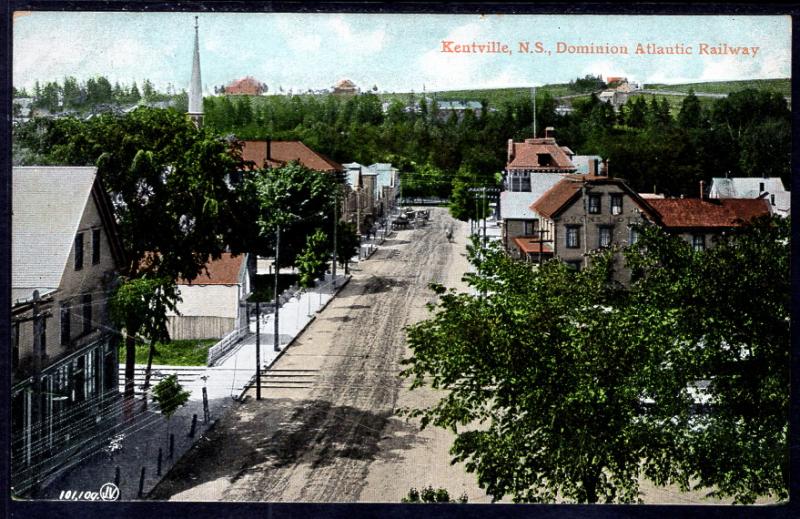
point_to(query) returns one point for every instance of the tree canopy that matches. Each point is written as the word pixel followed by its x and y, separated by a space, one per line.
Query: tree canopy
pixel 564 385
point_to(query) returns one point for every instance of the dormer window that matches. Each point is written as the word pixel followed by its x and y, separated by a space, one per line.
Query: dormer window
pixel 544 159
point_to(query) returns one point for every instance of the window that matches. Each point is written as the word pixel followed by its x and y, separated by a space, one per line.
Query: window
pixel 616 203
pixel 525 182
pixel 573 236
pixel 575 265
pixel 699 242
pixel 66 331
pixel 604 236
pixel 544 159
pixel 79 251
pixel 109 368
pixel 87 313
pixel 760 187
pixel 95 246
pixel 634 236
pixel 530 227
pixel 594 204
pixel 772 199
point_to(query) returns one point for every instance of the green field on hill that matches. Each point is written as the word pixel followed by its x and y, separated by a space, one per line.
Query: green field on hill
pixel 783 86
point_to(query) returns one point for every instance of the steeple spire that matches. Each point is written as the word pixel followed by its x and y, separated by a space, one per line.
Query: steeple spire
pixel 195 87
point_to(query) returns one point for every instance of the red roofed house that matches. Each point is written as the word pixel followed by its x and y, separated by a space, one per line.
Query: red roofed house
pixel 246 86
pixel 274 154
pixel 533 166
pixel 582 213
pixel 700 220
pixel 211 305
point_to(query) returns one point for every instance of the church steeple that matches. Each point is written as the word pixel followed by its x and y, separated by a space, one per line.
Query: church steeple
pixel 195 87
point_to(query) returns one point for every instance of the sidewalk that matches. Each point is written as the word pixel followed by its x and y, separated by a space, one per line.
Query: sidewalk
pixel 146 431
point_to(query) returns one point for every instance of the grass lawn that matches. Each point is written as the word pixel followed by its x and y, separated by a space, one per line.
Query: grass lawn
pixel 175 353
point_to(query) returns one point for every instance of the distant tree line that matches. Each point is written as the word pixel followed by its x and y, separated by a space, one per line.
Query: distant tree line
pixel 71 94
pixel 651 144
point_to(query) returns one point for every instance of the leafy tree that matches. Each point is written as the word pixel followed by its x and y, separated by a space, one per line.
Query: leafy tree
pixel 431 495
pixel 311 262
pixel 732 306
pixel 463 203
pixel 691 114
pixel 170 396
pixel 347 244
pixel 140 306
pixel 297 199
pixel 564 385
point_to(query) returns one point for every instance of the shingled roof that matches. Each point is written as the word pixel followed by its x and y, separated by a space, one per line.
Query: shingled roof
pixel 558 197
pixel 526 156
pixel 222 271
pixel 694 213
pixel 279 153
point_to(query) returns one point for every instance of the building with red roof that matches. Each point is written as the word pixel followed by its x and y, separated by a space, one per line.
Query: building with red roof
pixel 212 304
pixel 700 220
pixel 274 154
pixel 583 213
pixel 246 86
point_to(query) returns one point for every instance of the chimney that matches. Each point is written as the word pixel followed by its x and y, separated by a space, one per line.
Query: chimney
pixel 510 150
pixel 549 133
pixel 702 186
pixel 604 168
pixel 269 149
pixel 593 167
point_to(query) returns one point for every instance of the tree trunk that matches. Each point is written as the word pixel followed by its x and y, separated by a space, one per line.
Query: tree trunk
pixel 130 362
pixel 148 370
pixel 590 487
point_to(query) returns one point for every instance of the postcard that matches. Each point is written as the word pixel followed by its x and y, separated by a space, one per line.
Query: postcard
pixel 400 258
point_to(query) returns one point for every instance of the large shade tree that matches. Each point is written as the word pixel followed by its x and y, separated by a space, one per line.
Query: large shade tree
pixel 563 385
pixel 167 183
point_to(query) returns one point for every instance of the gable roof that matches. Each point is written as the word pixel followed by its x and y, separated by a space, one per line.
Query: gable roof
pixel 525 156
pixel 222 271
pixel 560 196
pixel 556 197
pixel 694 213
pixel 48 204
pixel 282 152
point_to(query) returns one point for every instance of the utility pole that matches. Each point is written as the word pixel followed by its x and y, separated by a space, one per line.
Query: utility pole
pixel 335 226
pixel 258 350
pixel 277 340
pixel 39 322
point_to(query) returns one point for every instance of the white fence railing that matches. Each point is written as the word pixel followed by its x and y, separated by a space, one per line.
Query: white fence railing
pixel 225 344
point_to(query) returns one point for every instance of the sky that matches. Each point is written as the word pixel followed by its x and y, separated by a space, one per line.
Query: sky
pixel 395 52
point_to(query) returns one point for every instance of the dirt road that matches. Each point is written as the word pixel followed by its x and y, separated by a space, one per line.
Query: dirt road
pixel 327 429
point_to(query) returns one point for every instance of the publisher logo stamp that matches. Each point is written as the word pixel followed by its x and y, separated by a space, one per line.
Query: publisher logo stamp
pixel 109 492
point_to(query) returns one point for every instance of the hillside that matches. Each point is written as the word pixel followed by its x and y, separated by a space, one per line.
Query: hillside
pixel 783 86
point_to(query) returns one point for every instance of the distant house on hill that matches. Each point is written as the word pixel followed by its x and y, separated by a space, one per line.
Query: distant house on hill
pixel 345 87
pixel 780 200
pixel 245 86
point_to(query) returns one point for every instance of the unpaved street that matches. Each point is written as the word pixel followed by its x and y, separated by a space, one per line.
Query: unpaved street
pixel 327 429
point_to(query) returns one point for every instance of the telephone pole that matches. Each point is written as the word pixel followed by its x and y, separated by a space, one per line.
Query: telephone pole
pixel 277 340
